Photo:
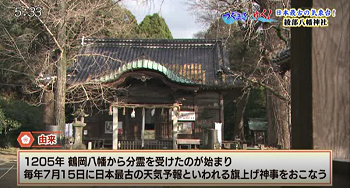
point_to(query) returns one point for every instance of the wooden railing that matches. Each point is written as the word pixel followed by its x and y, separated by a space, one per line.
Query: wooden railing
pixel 148 144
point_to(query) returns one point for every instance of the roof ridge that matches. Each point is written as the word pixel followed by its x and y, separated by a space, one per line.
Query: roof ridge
pixel 150 41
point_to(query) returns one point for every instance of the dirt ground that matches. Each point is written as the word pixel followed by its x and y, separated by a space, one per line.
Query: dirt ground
pixel 8 155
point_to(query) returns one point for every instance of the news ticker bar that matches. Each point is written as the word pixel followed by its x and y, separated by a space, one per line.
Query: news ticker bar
pixel 174 167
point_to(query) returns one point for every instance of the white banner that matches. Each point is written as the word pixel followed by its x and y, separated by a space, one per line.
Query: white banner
pixel 218 127
pixel 174 168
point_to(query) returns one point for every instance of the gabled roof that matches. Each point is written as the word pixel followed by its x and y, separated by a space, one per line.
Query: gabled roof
pixel 184 61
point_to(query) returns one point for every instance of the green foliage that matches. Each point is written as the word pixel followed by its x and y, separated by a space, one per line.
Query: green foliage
pixel 118 23
pixel 17 116
pixel 256 105
pixel 154 27
pixel 6 123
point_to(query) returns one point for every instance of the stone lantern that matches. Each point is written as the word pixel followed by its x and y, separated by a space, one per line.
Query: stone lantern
pixel 78 126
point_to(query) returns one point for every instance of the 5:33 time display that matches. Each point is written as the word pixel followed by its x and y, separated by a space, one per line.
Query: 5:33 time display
pixel 30 11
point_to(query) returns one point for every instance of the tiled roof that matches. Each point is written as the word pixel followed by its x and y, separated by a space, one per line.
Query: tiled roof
pixel 282 56
pixel 282 61
pixel 257 124
pixel 185 61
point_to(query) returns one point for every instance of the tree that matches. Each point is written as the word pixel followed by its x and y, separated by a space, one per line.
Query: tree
pixel 16 116
pixel 21 43
pixel 243 58
pixel 51 39
pixel 154 27
pixel 6 125
pixel 199 35
pixel 259 71
pixel 278 110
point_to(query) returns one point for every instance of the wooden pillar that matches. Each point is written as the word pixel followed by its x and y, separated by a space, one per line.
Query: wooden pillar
pixel 127 126
pixel 331 82
pixel 196 124
pixel 170 118
pixel 222 115
pixel 174 117
pixel 115 128
pixel 255 142
pixel 320 87
pixel 320 82
pixel 143 128
pixel 301 83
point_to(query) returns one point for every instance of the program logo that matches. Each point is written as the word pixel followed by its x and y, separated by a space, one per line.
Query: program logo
pixel 305 17
pixel 231 17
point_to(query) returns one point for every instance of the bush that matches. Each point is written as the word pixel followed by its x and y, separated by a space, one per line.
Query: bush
pixel 17 116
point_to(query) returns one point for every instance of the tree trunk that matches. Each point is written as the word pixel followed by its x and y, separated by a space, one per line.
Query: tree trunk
pixel 60 95
pixel 48 108
pixel 278 113
pixel 4 137
pixel 239 125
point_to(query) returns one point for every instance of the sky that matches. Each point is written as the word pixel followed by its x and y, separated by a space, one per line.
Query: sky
pixel 175 12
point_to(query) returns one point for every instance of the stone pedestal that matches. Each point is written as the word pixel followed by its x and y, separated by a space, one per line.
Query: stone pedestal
pixel 78 137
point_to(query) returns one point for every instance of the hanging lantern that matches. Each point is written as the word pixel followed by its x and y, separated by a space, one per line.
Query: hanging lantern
pixel 133 113
pixel 153 111
pixel 124 111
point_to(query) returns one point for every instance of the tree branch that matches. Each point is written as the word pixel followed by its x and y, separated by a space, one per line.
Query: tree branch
pixel 47 29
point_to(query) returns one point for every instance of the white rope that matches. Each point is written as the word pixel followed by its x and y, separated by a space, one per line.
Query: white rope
pixel 128 105
pixel 151 106
pixel 7 171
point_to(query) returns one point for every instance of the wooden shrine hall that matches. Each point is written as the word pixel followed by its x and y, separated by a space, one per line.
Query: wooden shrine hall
pixel 173 91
